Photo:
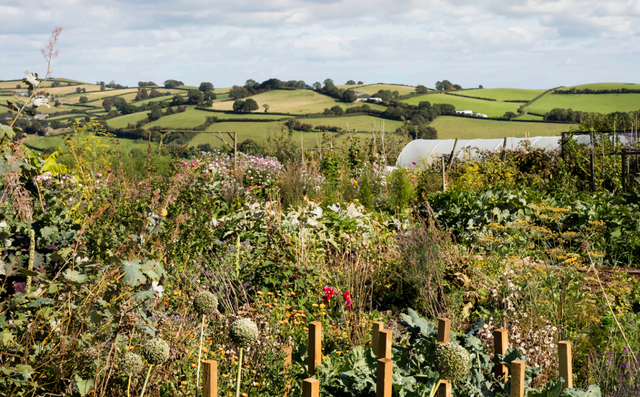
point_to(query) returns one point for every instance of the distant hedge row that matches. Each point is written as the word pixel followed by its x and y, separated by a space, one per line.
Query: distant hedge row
pixel 473 97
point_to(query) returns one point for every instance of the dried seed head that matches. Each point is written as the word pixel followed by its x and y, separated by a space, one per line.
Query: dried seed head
pixel 244 332
pixel 155 351
pixel 205 303
pixel 131 364
pixel 453 361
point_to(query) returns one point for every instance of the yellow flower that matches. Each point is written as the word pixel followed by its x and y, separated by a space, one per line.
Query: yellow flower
pixel 322 306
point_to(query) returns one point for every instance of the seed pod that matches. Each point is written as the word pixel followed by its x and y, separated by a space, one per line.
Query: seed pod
pixel 205 303
pixel 155 351
pixel 244 332
pixel 131 364
pixel 453 361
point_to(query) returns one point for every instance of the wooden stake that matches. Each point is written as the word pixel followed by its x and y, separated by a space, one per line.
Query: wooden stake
pixel 444 389
pixel 500 346
pixel 287 351
pixel 453 152
pixel 444 179
pixel 384 343
pixel 503 156
pixel 517 378
pixel 375 337
pixel 566 370
pixel 210 379
pixel 444 328
pixel 310 388
pixel 384 379
pixel 315 346
pixel 235 152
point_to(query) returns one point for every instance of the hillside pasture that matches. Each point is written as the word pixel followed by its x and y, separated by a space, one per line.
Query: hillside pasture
pixel 95 95
pixel 373 88
pixel 451 127
pixel 490 108
pixel 188 119
pixel 290 101
pixel 605 86
pixel 358 123
pixel 123 121
pixel 504 94
pixel 600 103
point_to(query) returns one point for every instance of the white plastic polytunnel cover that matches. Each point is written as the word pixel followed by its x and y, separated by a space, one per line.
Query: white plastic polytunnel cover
pixel 425 151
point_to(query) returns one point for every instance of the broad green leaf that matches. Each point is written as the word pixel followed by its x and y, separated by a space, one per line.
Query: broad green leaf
pixel 6 130
pixel 6 338
pixel 83 385
pixel 133 272
pixel 74 276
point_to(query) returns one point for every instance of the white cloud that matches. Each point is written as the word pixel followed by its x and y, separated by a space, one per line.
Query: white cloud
pixel 405 41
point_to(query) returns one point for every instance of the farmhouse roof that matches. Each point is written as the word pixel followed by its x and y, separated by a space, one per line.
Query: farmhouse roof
pixel 362 95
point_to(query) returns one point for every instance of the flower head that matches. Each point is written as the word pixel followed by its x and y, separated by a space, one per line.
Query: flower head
pixel 131 364
pixel 205 303
pixel 155 351
pixel 453 361
pixel 244 332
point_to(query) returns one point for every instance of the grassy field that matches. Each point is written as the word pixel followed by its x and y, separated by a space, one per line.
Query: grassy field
pixel 57 141
pixel 358 123
pixel 530 117
pixel 187 119
pixel 601 103
pixel 12 84
pixel 605 86
pixel 502 94
pixel 373 88
pixel 254 115
pixel 123 121
pixel 95 95
pixel 288 101
pixel 450 127
pixel 490 108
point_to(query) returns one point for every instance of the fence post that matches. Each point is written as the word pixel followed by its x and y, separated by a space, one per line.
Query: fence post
pixel 503 155
pixel 375 336
pixel 287 354
pixel 384 343
pixel 500 345
pixel 310 388
pixel 235 152
pixel 444 389
pixel 517 378
pixel 384 374
pixel 444 178
pixel 566 370
pixel 562 142
pixel 315 346
pixel 453 152
pixel 625 168
pixel 210 379
pixel 444 328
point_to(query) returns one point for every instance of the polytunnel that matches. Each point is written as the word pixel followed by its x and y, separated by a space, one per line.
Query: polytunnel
pixel 425 151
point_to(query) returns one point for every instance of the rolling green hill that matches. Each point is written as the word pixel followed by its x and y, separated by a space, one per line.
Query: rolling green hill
pixel 490 108
pixel 504 94
pixel 601 103
pixel 450 127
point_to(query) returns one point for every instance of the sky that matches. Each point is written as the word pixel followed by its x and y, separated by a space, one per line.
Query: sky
pixel 494 43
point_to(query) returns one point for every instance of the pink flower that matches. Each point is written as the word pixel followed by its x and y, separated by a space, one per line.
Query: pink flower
pixel 186 163
pixel 329 292
pixel 193 164
pixel 347 298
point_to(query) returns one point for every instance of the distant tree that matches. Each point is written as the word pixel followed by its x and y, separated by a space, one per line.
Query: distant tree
pixel 209 95
pixel 385 95
pixel 55 84
pixel 195 97
pixel 509 115
pixel 173 83
pixel 84 90
pixel 480 86
pixel 237 92
pixel 154 93
pixel 18 86
pixel 102 88
pixel 156 112
pixel 328 82
pixel 266 107
pixel 204 87
pixel 83 99
pixel 147 84
pixel 251 83
pixel 420 89
pixel 177 100
pixel 205 147
pixel 337 110
pixel 395 94
pixel 238 105
pixel 350 82
pixel 250 105
pixel 56 103
pixel 78 90
pixel 360 83
pixel 457 87
pixel 142 94
pixel 317 85
pixel 87 119
pixel 251 147
pixel 349 96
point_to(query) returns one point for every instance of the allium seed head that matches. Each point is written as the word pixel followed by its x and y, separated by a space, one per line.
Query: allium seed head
pixel 453 361
pixel 131 364
pixel 155 351
pixel 205 303
pixel 244 332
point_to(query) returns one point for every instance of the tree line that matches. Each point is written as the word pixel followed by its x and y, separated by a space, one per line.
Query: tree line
pixel 599 91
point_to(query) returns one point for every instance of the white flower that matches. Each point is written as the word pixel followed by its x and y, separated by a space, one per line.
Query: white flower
pixel 39 101
pixel 157 288
pixel 32 79
pixel 3 224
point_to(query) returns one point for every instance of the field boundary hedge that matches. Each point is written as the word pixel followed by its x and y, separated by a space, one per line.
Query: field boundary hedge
pixel 472 97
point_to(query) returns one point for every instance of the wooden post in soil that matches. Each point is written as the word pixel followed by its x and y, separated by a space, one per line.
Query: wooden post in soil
pixel 566 370
pixel 210 379
pixel 503 155
pixel 384 380
pixel 444 179
pixel 444 329
pixel 517 379
pixel 235 152
pixel 444 389
pixel 375 335
pixel 384 343
pixel 315 346
pixel 287 365
pixel 310 388
pixel 500 346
